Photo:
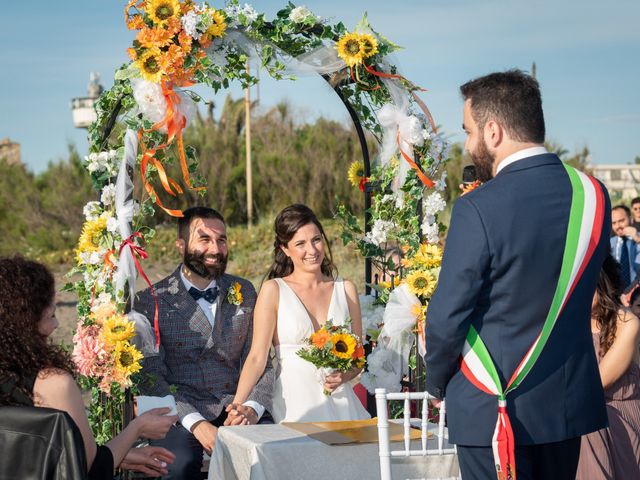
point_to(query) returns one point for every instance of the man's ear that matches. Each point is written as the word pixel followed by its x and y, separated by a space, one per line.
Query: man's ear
pixel 493 134
pixel 180 245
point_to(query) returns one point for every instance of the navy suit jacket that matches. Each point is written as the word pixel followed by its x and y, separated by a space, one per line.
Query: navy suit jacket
pixel 634 256
pixel 499 272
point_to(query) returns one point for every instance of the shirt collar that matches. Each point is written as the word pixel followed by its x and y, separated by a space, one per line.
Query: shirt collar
pixel 519 155
pixel 187 284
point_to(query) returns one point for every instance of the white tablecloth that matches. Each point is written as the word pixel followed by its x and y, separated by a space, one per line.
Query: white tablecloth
pixel 275 452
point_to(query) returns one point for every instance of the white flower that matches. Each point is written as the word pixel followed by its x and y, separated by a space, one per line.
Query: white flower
pixel 300 14
pixel 189 22
pixel 425 134
pixel 399 199
pixel 92 211
pixel 112 224
pixel 431 232
pixel 150 100
pixel 441 184
pixel 379 231
pixel 433 204
pixel 108 194
pixel 101 299
pixel 91 258
pixel 249 12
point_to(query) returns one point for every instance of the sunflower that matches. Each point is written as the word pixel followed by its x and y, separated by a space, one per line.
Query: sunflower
pixel 117 328
pixel 419 311
pixel 369 45
pixel 351 49
pixel 343 345
pixel 127 360
pixel 149 65
pixel 429 255
pixel 218 24
pixel 320 338
pixel 421 283
pixel 161 11
pixel 356 173
pixel 89 241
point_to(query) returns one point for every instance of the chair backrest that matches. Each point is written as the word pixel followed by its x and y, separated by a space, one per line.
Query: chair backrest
pixel 427 428
pixel 41 443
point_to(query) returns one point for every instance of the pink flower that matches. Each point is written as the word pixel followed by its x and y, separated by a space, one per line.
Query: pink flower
pixel 89 353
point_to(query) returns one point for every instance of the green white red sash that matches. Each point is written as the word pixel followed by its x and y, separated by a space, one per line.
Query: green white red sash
pixel 583 234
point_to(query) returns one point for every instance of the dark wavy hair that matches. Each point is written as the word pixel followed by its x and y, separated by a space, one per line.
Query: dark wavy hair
pixel 287 223
pixel 26 290
pixel 607 309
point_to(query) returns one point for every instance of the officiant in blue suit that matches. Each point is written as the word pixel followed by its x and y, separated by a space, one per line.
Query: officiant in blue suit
pixel 519 272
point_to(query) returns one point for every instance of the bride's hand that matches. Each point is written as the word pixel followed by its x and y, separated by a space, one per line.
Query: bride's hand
pixel 335 379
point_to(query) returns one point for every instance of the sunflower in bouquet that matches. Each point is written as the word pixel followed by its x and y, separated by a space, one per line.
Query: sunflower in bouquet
pixel 333 348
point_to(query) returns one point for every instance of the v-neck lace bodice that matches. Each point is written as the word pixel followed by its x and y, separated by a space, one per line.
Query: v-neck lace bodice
pixel 294 321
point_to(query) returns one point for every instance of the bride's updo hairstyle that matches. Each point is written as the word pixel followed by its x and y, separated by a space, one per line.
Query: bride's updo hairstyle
pixel 287 223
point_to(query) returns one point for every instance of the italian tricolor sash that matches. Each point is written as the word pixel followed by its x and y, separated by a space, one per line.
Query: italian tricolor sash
pixel 583 234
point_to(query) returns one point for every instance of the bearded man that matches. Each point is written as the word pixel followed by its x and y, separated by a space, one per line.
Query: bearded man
pixel 205 318
pixel 509 327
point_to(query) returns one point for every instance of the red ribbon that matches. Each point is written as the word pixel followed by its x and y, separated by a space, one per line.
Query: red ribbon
pixel 505 445
pixel 135 252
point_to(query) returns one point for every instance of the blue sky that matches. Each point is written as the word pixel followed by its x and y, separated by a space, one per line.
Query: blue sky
pixel 586 53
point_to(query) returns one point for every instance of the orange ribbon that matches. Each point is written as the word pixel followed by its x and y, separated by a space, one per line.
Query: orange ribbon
pixel 423 178
pixel 175 123
pixel 137 251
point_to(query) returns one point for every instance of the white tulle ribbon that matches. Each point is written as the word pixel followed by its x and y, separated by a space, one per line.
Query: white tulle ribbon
pixel 145 338
pixel 389 361
pixel 125 205
pixel 152 103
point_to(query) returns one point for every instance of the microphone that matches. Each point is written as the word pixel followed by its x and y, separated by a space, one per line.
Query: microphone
pixel 469 176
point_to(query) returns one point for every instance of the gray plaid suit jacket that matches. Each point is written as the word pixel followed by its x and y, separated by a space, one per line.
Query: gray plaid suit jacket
pixel 201 363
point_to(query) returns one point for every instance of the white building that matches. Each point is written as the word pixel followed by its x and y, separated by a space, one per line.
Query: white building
pixel 622 181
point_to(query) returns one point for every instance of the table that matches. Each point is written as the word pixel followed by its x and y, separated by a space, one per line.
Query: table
pixel 274 452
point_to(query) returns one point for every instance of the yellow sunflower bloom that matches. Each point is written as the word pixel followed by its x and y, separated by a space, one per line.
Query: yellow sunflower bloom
pixel 421 283
pixel 355 173
pixel 117 328
pixel 127 360
pixel 343 345
pixel 351 49
pixel 149 64
pixel 218 26
pixel 429 256
pixel 369 45
pixel 92 233
pixel 161 11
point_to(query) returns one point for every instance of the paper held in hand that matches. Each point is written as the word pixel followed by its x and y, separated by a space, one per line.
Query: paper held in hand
pixel 146 403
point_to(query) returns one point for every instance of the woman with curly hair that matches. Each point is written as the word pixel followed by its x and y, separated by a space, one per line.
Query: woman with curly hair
pixel 614 452
pixel 35 372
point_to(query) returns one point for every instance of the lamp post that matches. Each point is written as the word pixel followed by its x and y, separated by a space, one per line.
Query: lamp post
pixel 82 108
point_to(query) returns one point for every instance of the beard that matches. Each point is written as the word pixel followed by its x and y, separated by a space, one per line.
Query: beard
pixel 195 262
pixel 483 160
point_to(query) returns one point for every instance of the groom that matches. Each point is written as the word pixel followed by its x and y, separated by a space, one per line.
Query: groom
pixel 510 254
pixel 205 319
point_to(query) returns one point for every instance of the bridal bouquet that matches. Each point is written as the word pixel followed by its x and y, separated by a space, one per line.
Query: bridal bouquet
pixel 333 348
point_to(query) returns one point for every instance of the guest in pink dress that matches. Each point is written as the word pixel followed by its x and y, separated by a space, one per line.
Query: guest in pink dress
pixel 614 452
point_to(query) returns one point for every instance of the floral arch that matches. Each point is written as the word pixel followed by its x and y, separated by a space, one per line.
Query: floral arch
pixel 139 128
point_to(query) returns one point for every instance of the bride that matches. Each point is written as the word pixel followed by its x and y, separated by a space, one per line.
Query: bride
pixel 298 298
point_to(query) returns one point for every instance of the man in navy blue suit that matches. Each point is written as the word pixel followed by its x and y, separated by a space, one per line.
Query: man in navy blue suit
pixel 519 273
pixel 625 236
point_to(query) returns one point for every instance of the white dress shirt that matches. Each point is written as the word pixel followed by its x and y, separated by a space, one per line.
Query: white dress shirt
pixel 209 309
pixel 519 155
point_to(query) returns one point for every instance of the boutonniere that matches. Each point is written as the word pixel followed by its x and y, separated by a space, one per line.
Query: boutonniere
pixel 234 295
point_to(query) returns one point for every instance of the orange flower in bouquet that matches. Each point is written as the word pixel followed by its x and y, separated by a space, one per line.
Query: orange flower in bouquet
pixel 333 348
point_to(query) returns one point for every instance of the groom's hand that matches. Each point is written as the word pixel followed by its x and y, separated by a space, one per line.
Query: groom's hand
pixel 240 415
pixel 206 434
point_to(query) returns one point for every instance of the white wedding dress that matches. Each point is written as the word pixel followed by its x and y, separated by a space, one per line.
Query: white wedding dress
pixel 298 395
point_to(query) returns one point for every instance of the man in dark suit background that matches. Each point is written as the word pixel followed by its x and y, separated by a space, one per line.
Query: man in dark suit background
pixel 205 319
pixel 501 266
pixel 624 246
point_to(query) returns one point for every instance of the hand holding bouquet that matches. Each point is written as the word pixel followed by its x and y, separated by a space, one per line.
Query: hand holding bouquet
pixel 333 348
